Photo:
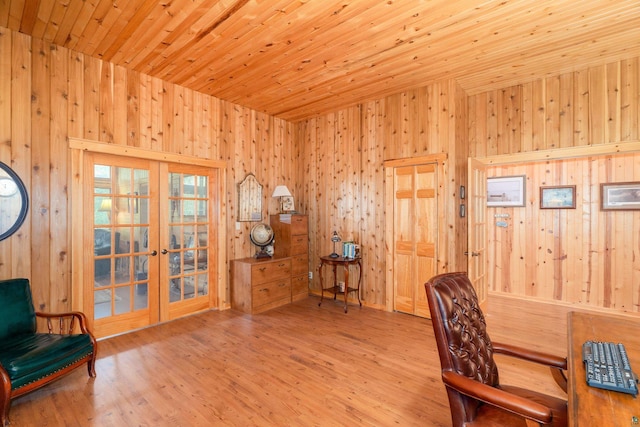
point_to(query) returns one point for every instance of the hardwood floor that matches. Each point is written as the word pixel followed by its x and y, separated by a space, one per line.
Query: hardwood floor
pixel 298 365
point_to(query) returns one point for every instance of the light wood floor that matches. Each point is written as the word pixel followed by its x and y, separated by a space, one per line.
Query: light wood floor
pixel 298 365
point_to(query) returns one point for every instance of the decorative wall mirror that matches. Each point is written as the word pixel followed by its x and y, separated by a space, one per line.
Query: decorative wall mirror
pixel 14 201
pixel 249 199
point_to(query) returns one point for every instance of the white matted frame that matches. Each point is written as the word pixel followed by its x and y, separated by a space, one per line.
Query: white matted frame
pixel 506 191
pixel 620 196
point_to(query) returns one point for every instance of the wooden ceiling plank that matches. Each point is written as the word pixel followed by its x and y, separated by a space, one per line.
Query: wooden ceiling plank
pixel 382 87
pixel 57 16
pixel 174 45
pixel 122 27
pixel 80 24
pixel 133 25
pixel 319 68
pixel 72 14
pixel 238 26
pixel 297 52
pixel 152 25
pixel 44 9
pixel 98 14
pixel 374 58
pixel 19 15
pixel 107 28
pixel 449 52
pixel 150 35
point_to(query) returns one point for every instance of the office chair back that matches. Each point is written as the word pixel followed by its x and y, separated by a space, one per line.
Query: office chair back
pixel 464 345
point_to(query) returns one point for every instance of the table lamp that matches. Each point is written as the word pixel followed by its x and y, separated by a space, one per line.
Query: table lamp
pixel 335 239
pixel 281 191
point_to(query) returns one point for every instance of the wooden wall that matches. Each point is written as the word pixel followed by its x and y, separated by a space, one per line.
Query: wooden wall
pixel 580 256
pixel 344 175
pixel 48 94
pixel 332 163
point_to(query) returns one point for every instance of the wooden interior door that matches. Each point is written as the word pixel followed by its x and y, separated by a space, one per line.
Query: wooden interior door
pixel 152 242
pixel 477 229
pixel 414 235
pixel 118 247
pixel 187 262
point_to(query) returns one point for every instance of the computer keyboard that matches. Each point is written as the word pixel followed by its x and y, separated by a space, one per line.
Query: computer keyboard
pixel 608 367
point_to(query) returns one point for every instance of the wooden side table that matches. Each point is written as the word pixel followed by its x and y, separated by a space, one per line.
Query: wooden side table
pixel 335 289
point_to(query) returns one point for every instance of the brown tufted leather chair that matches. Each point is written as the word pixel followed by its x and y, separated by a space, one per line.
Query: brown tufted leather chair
pixel 469 371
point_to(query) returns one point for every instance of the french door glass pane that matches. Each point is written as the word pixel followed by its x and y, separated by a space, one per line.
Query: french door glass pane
pixel 189 240
pixel 121 227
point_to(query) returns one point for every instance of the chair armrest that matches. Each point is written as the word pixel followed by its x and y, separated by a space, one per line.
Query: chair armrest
pixel 557 364
pixel 531 355
pixel 498 398
pixel 66 322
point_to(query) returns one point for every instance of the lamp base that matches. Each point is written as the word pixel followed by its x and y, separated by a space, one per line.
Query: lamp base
pixel 334 255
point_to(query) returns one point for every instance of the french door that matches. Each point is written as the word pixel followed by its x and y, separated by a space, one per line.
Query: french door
pixel 149 241
pixel 477 226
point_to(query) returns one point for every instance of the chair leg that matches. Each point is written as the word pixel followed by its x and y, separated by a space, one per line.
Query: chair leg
pixel 5 403
pixel 91 365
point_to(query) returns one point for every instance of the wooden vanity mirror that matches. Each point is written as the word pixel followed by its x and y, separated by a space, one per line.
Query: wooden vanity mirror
pixel 249 199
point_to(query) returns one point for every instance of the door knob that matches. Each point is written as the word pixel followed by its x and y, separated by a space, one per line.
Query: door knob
pixel 475 253
pixel 164 251
pixel 154 253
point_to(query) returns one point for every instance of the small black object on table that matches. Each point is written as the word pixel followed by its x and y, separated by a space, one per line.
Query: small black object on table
pixel 335 289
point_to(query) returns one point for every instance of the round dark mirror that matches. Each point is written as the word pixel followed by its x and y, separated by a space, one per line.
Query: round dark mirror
pixel 14 202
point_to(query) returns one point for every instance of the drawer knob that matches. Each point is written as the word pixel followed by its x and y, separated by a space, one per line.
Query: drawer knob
pixel 262 268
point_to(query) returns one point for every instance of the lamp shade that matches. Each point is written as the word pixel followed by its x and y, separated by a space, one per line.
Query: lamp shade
pixel 105 206
pixel 281 191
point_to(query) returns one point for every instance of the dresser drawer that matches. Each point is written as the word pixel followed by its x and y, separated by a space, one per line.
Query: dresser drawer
pixel 299 287
pixel 268 271
pixel 271 294
pixel 299 224
pixel 299 244
pixel 300 265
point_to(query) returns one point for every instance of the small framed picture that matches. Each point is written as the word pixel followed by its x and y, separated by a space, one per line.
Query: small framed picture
pixel 620 196
pixel 288 204
pixel 507 191
pixel 558 197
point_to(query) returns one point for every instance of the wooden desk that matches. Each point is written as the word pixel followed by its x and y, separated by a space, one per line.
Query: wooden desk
pixel 335 289
pixel 589 406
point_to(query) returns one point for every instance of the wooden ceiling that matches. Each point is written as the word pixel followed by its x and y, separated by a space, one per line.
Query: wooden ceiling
pixel 297 58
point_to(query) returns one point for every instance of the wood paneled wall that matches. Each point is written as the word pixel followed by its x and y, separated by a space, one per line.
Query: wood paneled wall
pixel 332 163
pixel 579 256
pixel 344 175
pixel 48 94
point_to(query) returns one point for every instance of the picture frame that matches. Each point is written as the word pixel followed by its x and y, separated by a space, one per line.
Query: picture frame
pixel 620 196
pixel 288 204
pixel 506 191
pixel 558 197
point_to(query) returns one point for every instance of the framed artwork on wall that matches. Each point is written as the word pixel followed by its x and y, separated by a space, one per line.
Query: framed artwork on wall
pixel 558 197
pixel 288 204
pixel 620 196
pixel 506 191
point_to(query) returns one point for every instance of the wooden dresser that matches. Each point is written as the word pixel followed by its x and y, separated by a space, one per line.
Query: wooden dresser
pixel 261 284
pixel 292 240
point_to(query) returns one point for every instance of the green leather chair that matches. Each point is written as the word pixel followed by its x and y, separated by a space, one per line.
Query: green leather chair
pixel 31 359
